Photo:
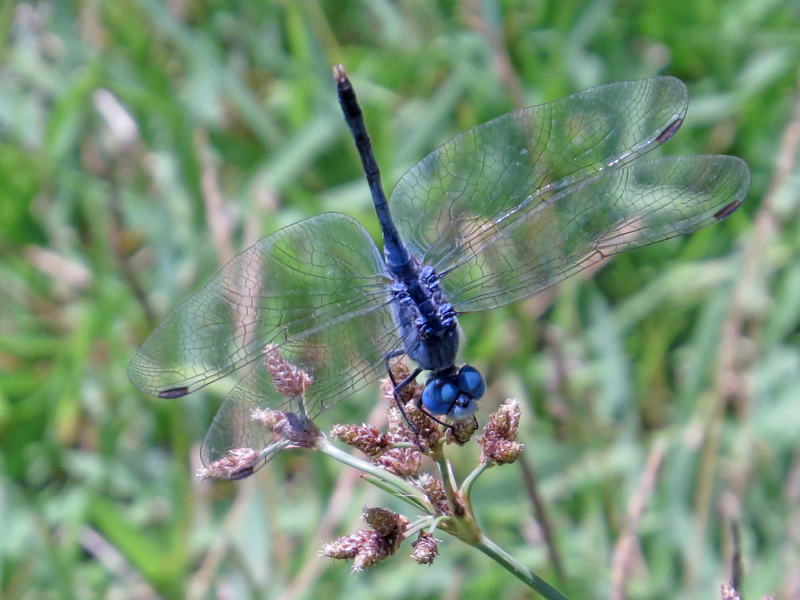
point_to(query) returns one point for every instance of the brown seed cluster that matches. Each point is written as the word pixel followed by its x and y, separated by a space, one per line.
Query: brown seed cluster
pixel 236 463
pixel 462 431
pixel 500 433
pixel 425 549
pixel 288 379
pixel 368 547
pixel 367 438
pixel 434 490
pixel 285 425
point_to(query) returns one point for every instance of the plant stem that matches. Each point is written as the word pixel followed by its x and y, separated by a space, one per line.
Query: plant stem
pixel 528 577
pixel 402 488
pixel 472 477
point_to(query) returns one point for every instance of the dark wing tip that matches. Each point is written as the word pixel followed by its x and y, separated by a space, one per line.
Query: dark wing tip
pixel 242 473
pixel 669 131
pixel 727 210
pixel 178 392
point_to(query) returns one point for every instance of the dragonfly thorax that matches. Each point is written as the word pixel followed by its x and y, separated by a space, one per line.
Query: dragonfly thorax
pixel 426 320
pixel 453 392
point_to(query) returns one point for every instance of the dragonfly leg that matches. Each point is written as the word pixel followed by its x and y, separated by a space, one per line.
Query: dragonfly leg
pixel 390 356
pixel 398 387
pixel 430 416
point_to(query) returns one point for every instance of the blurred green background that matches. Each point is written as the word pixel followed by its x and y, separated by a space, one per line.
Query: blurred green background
pixel 144 144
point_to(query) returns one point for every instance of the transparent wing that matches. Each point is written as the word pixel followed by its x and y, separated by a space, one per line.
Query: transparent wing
pixel 533 248
pixel 298 379
pixel 312 275
pixel 442 205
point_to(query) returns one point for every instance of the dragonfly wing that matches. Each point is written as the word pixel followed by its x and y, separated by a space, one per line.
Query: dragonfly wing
pixel 309 276
pixel 570 230
pixel 444 203
pixel 299 379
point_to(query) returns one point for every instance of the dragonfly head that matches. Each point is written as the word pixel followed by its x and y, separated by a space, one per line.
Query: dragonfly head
pixel 453 393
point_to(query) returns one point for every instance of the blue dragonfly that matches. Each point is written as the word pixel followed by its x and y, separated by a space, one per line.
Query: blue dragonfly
pixel 495 215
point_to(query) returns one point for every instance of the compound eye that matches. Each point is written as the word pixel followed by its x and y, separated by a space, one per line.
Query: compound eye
pixel 471 382
pixel 432 398
pixel 449 392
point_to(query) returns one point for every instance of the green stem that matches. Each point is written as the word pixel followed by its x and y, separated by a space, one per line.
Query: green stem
pixel 448 479
pixel 418 525
pixel 472 477
pixel 394 482
pixel 528 577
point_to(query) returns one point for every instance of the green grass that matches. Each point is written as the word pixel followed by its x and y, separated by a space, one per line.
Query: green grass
pixel 693 342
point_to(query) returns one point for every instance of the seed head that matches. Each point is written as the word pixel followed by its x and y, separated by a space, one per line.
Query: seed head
pixel 366 438
pixel 434 490
pixel 411 391
pixel 428 433
pixel 462 431
pixel 425 549
pixel 386 522
pixel 346 546
pixel 287 378
pixel 290 426
pixel 499 435
pixel 235 464
pixel 397 432
pixel 404 462
pixel 368 547
pixel 504 422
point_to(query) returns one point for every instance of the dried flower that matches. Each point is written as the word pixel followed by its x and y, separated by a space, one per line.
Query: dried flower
pixel 369 547
pixel 502 452
pixel 235 464
pixel 425 549
pixel 427 430
pixel 434 490
pixel 504 422
pixel 287 378
pixel 428 434
pixel 412 391
pixel 499 435
pixel 366 438
pixel 462 431
pixel 386 522
pixel 397 432
pixel 346 546
pixel 301 432
pixel 404 462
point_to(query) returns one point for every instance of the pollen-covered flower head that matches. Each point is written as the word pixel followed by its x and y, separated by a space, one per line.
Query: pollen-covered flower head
pixel 425 549
pixel 288 379
pixel 237 463
pixel 500 433
pixel 368 547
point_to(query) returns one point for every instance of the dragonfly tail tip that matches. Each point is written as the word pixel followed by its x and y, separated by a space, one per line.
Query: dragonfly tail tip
pixel 339 74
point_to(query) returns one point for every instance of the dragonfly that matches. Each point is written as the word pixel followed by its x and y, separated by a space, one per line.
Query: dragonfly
pixel 495 215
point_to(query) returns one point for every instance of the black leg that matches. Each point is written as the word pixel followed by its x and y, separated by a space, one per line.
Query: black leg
pixel 430 416
pixel 398 387
pixel 387 358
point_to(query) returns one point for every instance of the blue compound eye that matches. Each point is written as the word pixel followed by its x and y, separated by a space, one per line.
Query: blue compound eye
pixel 432 398
pixel 471 382
pixel 449 392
